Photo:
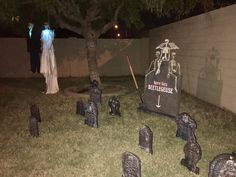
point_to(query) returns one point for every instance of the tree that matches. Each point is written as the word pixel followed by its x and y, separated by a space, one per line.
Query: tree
pixel 91 18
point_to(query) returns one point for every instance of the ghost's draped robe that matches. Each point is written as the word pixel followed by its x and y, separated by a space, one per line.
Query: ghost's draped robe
pixel 48 65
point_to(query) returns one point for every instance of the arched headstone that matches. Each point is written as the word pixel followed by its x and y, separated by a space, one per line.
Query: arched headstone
pixel 185 123
pixel 131 165
pixel 33 127
pixel 223 165
pixel 34 110
pixel 146 139
pixel 95 92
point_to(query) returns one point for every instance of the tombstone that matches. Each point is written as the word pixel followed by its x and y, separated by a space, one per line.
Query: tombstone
pixel 33 126
pixel 95 93
pixel 80 108
pixel 91 114
pixel 34 110
pixel 146 139
pixel 162 89
pixel 223 165
pixel 193 154
pixel 131 165
pixel 114 106
pixel 185 123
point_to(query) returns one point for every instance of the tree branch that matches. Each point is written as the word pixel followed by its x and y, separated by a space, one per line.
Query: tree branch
pixel 92 12
pixel 63 24
pixel 109 25
pixel 76 9
pixel 69 10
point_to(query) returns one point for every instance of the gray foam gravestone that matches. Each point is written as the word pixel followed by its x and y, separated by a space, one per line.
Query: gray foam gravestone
pixel 95 92
pixel 91 114
pixel 34 110
pixel 193 153
pixel 80 108
pixel 33 127
pixel 114 106
pixel 185 123
pixel 146 139
pixel 223 165
pixel 131 165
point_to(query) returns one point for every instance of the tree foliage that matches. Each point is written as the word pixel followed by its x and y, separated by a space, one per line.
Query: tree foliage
pixel 99 14
pixel 71 14
pixel 170 7
pixel 8 9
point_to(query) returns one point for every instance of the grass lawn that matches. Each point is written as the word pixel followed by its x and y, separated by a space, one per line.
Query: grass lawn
pixel 67 147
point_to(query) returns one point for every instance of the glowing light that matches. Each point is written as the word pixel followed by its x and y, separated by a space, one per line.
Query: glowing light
pixel 116 26
pixel 118 34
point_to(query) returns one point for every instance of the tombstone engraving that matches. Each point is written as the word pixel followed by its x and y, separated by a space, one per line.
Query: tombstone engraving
pixel 34 110
pixel 114 106
pixel 146 139
pixel 223 165
pixel 162 88
pixel 193 153
pixel 80 108
pixel 95 92
pixel 185 123
pixel 131 165
pixel 91 114
pixel 33 126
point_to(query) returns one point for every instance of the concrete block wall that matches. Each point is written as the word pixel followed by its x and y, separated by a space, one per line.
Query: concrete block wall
pixel 207 54
pixel 71 57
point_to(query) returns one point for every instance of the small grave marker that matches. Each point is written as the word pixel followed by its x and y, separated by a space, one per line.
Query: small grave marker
pixel 114 106
pixel 131 165
pixel 33 127
pixel 91 114
pixel 146 139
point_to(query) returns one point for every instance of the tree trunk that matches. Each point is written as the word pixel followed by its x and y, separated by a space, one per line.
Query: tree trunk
pixel 91 45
